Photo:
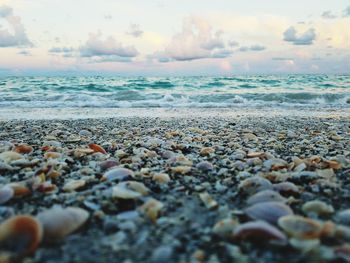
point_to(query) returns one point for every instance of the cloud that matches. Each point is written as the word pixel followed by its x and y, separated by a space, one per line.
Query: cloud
pixel 197 40
pixel 61 49
pixel 135 30
pixel 16 36
pixel 328 15
pixel 24 53
pixel 96 46
pixel 308 38
pixel 251 48
pixel 233 43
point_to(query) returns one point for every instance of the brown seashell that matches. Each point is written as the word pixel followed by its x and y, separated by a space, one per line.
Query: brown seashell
pixel 268 211
pixel 24 233
pixel 255 184
pixel 300 227
pixel 118 173
pixel 23 149
pixel 181 169
pixel 97 148
pixel 259 231
pixel 256 155
pixel 333 164
pixel 6 193
pixel 52 155
pixel 152 209
pixel 266 196
pixel 59 222
pixel 20 189
pixel 47 188
pixel 129 190
pixel 161 178
pixel 286 188
pixel 206 151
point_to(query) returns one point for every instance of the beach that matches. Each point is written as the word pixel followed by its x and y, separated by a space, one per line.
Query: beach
pixel 184 185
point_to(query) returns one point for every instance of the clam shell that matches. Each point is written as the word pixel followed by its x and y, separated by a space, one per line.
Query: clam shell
pixel 21 233
pixel 59 222
pixel 152 209
pixel 268 211
pixel 6 193
pixel 317 207
pixel 255 184
pixel 301 227
pixel 73 185
pixel 118 173
pixel 225 227
pixel 161 178
pixel 23 148
pixel 259 231
pixel 97 148
pixel 286 188
pixel 266 196
pixel 129 190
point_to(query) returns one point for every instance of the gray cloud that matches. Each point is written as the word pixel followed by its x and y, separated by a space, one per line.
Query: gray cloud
pixel 61 50
pixel 24 53
pixel 308 38
pixel 328 15
pixel 96 46
pixel 251 48
pixel 135 30
pixel 17 37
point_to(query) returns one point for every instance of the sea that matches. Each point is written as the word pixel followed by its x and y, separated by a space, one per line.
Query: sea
pixel 26 97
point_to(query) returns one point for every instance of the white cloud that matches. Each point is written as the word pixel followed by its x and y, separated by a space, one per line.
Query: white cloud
pixel 307 38
pixel 96 46
pixel 135 30
pixel 16 36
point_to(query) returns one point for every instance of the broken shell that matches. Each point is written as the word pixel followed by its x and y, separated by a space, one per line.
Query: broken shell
pixel 73 185
pixel 266 196
pixel 6 193
pixel 118 173
pixel 208 201
pixel 10 156
pixel 161 178
pixel 318 208
pixel 205 166
pixel 333 164
pixel 256 155
pixel 300 227
pixel 268 211
pixel 80 152
pixel 225 227
pixel 259 231
pixel 152 209
pixel 52 155
pixel 206 151
pixel 22 233
pixel 181 169
pixel 129 190
pixel 97 148
pixel 23 148
pixel 255 184
pixel 59 222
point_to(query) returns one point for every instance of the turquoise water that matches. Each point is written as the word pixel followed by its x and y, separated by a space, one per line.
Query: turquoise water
pixel 175 92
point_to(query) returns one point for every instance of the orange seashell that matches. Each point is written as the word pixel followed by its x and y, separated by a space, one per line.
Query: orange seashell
pixel 23 148
pixel 97 148
pixel 52 155
pixel 22 232
pixel 20 189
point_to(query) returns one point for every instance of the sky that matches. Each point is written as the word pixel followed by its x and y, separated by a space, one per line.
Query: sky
pixel 182 37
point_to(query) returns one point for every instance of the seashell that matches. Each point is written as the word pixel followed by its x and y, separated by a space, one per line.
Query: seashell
pixel 85 133
pixel 9 156
pixel 343 217
pixel 59 222
pixel 341 232
pixel 152 209
pixel 161 178
pixel 275 164
pixel 181 169
pixel 118 173
pixel 208 201
pixel 105 165
pixel 300 227
pixel 304 245
pixel 266 196
pixel 225 227
pixel 22 234
pixel 268 211
pixel 286 188
pixel 129 190
pixel 259 231
pixel 73 185
pixel 20 189
pixel 23 149
pixel 81 152
pixel 250 136
pixel 254 184
pixel 206 151
pixel 47 188
pixel 332 164
pixel 256 155
pixel 317 207
pixel 53 174
pixel 97 148
pixel 52 155
pixel 6 193
pixel 342 252
pixel 205 166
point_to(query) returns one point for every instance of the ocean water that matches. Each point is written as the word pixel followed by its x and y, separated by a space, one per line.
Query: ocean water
pixel 326 91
